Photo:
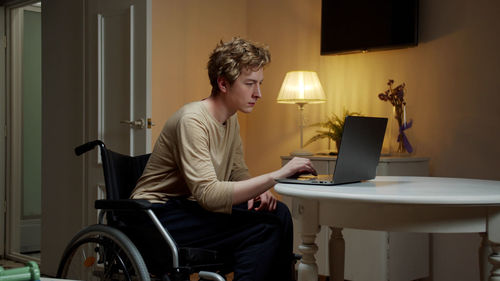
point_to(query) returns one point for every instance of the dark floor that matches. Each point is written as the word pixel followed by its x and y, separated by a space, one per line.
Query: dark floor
pixel 8 264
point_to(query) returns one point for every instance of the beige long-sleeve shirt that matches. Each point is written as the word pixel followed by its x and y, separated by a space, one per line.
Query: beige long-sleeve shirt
pixel 197 157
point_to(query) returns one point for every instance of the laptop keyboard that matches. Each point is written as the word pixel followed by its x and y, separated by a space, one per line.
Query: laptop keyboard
pixel 317 179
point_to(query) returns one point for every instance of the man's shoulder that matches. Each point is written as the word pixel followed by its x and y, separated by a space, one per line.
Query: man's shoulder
pixel 190 115
pixel 195 106
pixel 192 110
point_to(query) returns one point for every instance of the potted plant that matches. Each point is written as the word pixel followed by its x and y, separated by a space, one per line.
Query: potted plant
pixel 334 126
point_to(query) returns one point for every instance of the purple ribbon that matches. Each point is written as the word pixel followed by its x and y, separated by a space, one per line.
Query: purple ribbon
pixel 406 142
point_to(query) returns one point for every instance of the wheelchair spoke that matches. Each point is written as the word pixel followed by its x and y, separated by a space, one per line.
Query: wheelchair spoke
pixel 124 268
pixel 102 254
pixel 116 263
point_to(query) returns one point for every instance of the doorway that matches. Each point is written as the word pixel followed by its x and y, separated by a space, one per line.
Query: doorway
pixel 24 131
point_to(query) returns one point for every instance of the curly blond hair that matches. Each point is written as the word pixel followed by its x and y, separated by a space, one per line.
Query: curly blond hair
pixel 229 58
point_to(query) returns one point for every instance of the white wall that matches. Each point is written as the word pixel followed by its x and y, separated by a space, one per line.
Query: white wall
pixel 63 113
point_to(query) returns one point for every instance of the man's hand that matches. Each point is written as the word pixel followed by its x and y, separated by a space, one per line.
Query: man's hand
pixel 267 202
pixel 295 167
pixel 257 187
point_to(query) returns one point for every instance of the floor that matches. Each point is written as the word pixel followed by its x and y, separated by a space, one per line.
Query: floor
pixel 8 264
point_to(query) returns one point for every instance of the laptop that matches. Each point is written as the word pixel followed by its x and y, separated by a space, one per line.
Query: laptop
pixel 358 155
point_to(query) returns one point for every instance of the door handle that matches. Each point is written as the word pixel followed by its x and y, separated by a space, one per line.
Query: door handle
pixel 150 123
pixel 138 124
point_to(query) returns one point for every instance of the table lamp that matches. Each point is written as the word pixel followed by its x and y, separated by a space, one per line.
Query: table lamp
pixel 301 88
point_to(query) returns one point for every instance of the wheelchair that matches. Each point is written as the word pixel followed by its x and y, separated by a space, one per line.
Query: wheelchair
pixel 111 249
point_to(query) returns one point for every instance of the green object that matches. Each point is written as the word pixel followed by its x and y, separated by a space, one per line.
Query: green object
pixel 335 126
pixel 30 272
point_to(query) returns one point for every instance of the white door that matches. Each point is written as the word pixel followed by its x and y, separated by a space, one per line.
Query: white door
pixel 119 84
pixel 121 32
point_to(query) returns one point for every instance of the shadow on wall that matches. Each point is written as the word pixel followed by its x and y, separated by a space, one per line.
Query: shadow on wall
pixel 447 11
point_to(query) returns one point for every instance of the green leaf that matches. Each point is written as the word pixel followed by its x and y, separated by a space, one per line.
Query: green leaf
pixel 334 125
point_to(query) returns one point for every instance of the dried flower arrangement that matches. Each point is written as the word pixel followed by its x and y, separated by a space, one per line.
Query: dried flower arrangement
pixel 396 97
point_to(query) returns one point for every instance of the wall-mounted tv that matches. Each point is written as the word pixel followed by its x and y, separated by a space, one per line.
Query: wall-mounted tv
pixel 350 26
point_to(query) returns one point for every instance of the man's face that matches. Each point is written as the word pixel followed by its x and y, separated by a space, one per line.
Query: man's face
pixel 243 94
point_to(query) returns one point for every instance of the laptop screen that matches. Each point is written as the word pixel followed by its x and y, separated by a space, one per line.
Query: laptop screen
pixel 360 149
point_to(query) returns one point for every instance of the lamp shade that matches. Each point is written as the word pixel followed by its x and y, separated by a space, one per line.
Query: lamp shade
pixel 301 87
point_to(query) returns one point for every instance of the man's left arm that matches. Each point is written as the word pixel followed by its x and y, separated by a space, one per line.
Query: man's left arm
pixel 240 172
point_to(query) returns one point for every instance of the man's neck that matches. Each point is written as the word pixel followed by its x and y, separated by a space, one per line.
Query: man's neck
pixel 218 109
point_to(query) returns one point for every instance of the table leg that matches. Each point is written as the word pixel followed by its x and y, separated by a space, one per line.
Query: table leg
pixel 336 254
pixel 308 269
pixel 308 216
pixel 495 262
pixel 484 252
pixel 493 234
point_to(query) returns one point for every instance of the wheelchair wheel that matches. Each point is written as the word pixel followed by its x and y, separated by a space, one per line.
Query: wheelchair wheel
pixel 101 252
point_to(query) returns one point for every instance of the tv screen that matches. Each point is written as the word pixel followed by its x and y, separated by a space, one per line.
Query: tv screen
pixel 366 25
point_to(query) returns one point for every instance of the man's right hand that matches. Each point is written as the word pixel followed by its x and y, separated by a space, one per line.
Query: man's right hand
pixel 295 167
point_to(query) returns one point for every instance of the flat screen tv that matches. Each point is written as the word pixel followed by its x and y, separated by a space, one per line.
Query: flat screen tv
pixel 368 25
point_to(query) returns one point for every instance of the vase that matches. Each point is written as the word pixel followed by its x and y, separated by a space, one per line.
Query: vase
pixel 400 142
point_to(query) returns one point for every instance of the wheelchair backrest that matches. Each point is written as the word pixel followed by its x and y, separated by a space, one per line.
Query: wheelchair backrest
pixel 121 172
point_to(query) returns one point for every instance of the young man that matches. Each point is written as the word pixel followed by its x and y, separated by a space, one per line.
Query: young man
pixel 198 175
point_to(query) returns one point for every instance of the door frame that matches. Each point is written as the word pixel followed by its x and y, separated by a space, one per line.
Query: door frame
pixel 3 132
pixel 14 124
pixel 11 163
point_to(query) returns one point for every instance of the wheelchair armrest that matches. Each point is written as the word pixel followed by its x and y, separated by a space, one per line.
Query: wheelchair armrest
pixel 123 204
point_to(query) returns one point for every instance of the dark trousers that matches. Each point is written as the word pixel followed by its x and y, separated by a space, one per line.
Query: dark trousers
pixel 258 244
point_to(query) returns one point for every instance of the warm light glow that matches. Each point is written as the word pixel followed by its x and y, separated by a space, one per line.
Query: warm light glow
pixel 301 87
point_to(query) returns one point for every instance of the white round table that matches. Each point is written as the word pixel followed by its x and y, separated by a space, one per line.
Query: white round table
pixel 404 204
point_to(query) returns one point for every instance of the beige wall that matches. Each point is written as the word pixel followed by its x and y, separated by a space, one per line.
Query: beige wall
pixel 184 33
pixel 453 95
pixel 452 78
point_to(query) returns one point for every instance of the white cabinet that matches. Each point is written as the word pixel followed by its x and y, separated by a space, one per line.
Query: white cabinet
pixel 375 255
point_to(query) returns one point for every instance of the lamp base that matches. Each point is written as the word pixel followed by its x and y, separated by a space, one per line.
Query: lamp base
pixel 301 152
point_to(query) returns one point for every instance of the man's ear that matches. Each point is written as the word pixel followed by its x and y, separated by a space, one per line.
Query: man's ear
pixel 222 84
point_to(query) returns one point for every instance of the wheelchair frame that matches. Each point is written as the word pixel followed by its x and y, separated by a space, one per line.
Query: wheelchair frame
pixel 109 263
